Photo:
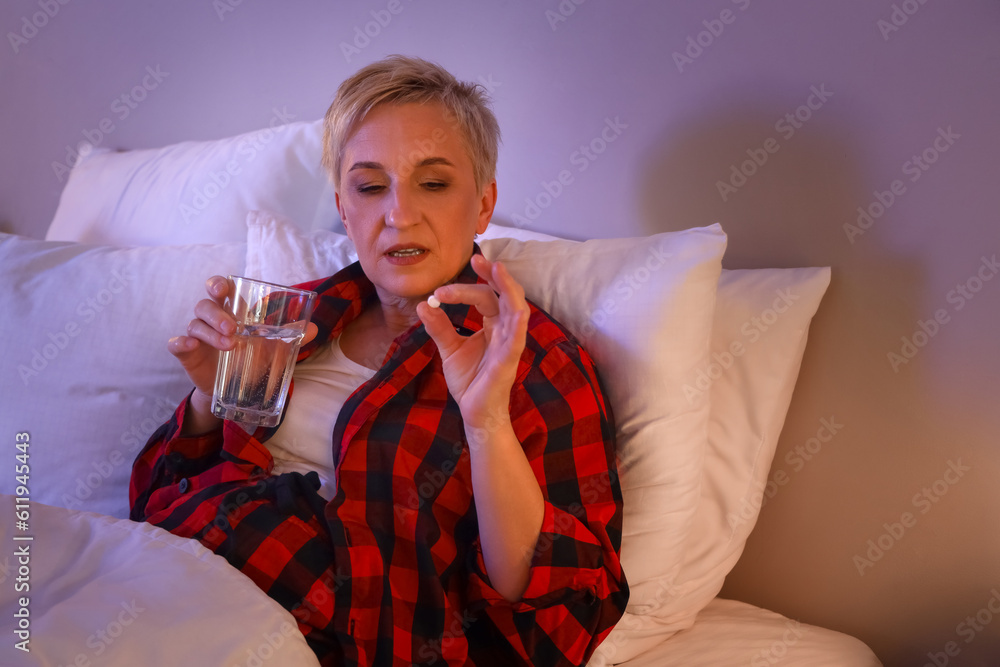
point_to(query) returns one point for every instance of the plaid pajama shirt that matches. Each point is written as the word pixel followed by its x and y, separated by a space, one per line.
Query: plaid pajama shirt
pixel 390 572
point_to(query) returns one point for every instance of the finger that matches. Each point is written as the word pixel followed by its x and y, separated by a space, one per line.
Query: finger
pixel 215 316
pixel 218 288
pixel 311 331
pixel 202 331
pixel 510 301
pixel 499 279
pixel 480 296
pixel 514 308
pixel 506 283
pixel 181 346
pixel 439 328
pixel 484 269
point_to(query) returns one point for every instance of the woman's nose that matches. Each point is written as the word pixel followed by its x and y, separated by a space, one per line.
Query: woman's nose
pixel 402 209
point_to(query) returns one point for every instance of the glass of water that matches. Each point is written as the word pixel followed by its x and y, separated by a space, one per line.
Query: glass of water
pixel 251 383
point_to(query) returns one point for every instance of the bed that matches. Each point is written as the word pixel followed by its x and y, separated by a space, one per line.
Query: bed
pixel 699 364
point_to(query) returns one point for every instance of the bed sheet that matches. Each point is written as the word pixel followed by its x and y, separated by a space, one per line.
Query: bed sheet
pixel 90 589
pixel 728 633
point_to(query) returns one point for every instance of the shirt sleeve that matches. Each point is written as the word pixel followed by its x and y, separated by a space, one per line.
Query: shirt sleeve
pixel 180 484
pixel 576 588
pixel 159 471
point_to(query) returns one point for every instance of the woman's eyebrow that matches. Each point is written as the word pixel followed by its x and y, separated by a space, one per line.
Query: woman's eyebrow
pixel 365 165
pixel 435 160
pixel 423 163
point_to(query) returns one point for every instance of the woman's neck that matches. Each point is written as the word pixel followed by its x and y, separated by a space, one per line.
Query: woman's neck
pixel 394 314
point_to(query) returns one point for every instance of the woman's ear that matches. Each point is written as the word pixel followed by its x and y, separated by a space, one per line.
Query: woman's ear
pixel 340 211
pixel 487 203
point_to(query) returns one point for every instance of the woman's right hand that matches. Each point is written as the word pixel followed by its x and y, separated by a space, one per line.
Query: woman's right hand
pixel 209 333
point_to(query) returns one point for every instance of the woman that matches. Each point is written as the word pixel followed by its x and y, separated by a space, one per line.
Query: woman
pixel 476 515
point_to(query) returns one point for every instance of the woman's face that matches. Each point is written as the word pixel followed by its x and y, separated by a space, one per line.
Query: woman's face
pixel 408 199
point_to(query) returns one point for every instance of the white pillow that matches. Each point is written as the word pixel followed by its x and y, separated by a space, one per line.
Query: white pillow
pixel 314 254
pixel 85 366
pixel 751 387
pixel 196 191
pixel 762 320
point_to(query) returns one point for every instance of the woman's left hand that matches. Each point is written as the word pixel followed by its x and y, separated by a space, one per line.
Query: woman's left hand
pixel 480 369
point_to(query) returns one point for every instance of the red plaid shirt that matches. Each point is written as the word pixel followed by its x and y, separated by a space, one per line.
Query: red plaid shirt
pixel 390 572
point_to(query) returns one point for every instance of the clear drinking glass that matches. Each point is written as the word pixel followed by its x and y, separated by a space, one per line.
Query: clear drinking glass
pixel 251 383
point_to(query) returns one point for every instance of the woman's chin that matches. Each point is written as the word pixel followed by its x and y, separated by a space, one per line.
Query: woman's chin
pixel 413 280
pixel 410 288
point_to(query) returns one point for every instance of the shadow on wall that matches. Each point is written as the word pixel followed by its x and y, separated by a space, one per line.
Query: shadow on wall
pixel 785 204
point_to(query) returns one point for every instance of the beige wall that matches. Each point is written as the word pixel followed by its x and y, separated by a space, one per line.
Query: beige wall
pixel 555 85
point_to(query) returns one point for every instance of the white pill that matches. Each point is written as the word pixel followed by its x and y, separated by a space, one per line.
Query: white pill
pixel 433 302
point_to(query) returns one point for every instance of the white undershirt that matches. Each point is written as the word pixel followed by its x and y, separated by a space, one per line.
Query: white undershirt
pixel 304 441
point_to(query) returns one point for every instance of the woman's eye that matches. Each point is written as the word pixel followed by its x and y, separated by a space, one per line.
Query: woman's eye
pixel 435 185
pixel 369 189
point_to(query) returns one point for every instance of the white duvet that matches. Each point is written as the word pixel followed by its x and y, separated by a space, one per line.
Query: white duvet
pixel 106 591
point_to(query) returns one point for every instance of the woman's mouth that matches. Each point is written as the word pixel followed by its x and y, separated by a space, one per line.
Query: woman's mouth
pixel 404 256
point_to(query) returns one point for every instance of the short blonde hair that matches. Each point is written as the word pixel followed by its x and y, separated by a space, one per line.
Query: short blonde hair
pixel 401 80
